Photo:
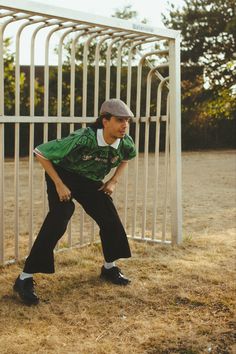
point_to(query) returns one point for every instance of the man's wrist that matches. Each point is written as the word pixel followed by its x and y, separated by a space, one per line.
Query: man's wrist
pixel 114 180
pixel 58 181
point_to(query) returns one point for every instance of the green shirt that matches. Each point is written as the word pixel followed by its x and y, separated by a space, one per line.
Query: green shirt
pixel 85 152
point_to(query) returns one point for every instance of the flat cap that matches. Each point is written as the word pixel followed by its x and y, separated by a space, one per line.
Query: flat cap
pixel 116 107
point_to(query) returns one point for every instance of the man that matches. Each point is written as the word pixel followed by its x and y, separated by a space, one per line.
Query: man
pixel 75 167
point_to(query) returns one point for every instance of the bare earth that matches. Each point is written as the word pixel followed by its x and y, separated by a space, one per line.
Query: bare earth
pixel 181 299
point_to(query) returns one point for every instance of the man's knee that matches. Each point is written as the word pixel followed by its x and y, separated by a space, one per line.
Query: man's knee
pixel 64 210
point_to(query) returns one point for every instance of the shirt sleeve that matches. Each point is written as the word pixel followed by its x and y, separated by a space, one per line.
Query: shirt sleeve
pixel 129 151
pixel 56 150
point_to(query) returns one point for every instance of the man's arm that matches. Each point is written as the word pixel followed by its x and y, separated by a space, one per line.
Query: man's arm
pixel 110 185
pixel 62 190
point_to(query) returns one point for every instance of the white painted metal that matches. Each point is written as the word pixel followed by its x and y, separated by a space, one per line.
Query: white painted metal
pixel 166 174
pixel 157 153
pixel 119 34
pixel 175 141
pixel 82 17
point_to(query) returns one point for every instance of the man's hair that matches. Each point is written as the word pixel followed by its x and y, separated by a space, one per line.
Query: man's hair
pixel 98 124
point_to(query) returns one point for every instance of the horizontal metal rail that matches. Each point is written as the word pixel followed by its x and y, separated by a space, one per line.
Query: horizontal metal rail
pixel 53 119
pixel 149 195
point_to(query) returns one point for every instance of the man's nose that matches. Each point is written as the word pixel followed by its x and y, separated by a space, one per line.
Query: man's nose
pixel 125 123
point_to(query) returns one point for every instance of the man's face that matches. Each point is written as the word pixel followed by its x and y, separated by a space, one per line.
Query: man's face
pixel 116 127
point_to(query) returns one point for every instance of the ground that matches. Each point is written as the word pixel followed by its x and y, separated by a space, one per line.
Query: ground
pixel 181 299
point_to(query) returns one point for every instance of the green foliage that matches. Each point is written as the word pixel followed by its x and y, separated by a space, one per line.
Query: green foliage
pixel 208 38
pixel 9 79
pixel 9 86
pixel 208 60
pixel 127 13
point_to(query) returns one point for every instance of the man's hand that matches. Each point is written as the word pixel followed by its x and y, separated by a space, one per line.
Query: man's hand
pixel 108 187
pixel 63 192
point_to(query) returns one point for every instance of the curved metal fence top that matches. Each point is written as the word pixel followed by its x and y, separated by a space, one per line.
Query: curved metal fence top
pixel 14 7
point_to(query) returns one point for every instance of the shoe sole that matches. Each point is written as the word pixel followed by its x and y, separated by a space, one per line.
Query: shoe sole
pixel 28 303
pixel 110 281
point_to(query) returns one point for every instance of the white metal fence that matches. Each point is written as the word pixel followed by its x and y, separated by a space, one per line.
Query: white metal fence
pixel 135 62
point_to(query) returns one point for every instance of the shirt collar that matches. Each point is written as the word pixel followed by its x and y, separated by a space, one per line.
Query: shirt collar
pixel 101 141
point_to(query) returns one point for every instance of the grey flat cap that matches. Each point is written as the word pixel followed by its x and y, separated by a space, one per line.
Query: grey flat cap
pixel 116 107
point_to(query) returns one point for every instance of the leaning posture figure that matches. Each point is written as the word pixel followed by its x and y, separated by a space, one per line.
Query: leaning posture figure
pixel 75 167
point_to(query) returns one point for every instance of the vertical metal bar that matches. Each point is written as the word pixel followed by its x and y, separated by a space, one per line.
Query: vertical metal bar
pixel 156 171
pixel 84 108
pixel 72 107
pixel 31 143
pixel 45 139
pixel 17 138
pixel 70 222
pixel 1 148
pixel 85 74
pixel 59 73
pixel 17 145
pixel 108 67
pixel 96 100
pixel 84 113
pixel 175 140
pixel 119 65
pixel 118 71
pixel 129 79
pixel 157 151
pixel 2 126
pixel 46 107
pixel 146 148
pixel 46 71
pixel 31 133
pixel 72 79
pixel 59 90
pixel 45 111
pixel 96 74
pixel 128 102
pixel 72 110
pixel 166 173
pixel 137 132
pixel 72 76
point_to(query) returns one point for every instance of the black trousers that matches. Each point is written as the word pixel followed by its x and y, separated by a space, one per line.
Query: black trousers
pixel 96 203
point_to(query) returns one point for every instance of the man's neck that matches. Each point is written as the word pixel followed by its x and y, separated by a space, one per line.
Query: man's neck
pixel 108 139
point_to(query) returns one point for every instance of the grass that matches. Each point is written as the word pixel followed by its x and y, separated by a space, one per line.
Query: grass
pixel 181 300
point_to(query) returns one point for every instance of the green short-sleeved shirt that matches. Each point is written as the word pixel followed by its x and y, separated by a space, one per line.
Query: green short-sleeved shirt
pixel 80 153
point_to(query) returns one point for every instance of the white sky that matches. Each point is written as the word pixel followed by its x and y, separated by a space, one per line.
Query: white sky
pixel 149 9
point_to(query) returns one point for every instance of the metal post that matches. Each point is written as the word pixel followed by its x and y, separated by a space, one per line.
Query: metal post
pixel 175 140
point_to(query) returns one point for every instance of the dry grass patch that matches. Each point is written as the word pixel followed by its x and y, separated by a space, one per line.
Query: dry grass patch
pixel 181 300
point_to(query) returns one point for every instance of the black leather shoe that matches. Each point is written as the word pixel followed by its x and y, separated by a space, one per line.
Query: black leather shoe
pixel 114 276
pixel 25 290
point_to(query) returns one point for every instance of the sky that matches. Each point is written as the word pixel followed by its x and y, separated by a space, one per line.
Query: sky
pixel 148 9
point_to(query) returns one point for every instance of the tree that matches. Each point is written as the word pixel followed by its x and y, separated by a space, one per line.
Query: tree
pixel 208 30
pixel 208 61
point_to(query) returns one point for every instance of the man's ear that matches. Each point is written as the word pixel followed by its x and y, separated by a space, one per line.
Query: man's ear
pixel 104 122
